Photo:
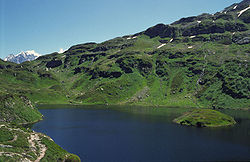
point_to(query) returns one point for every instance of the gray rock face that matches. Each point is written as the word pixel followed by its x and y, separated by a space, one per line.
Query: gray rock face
pixel 245 40
pixel 162 30
pixel 53 63
pixel 241 38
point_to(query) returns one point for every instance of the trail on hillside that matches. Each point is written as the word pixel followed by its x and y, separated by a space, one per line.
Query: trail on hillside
pixel 35 145
pixel 33 139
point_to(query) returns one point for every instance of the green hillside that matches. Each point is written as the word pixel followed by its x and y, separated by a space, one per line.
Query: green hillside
pixel 17 141
pixel 200 61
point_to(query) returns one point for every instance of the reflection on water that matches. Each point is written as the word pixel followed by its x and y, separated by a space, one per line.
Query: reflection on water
pixel 98 133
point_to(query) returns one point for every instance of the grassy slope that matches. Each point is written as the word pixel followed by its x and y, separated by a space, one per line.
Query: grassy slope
pixel 17 109
pixel 150 76
pixel 15 145
pixel 18 144
pixel 35 84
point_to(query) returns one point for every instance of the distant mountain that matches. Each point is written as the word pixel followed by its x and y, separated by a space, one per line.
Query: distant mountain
pixel 22 57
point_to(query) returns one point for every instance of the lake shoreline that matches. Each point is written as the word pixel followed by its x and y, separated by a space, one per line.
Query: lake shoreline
pixel 43 106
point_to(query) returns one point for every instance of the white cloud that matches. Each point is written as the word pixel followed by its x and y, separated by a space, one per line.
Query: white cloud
pixel 30 52
pixel 61 50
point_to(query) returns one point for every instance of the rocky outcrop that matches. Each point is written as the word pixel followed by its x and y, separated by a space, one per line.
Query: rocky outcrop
pixel 54 63
pixel 105 74
pixel 84 47
pixel 241 39
pixel 210 28
pixel 2 67
pixel 206 27
pixel 45 74
pixel 90 57
pixel 245 17
pixel 245 40
pixel 162 31
pixel 128 63
pixel 186 20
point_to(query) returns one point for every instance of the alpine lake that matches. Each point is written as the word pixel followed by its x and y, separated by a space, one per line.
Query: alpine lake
pixel 133 133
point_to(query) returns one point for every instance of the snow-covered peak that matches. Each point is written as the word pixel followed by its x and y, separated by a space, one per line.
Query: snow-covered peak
pixel 32 52
pixel 22 56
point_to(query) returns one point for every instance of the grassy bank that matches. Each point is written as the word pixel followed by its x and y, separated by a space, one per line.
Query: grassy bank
pixel 205 118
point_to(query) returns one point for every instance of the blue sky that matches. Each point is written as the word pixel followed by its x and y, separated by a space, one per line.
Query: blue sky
pixel 48 25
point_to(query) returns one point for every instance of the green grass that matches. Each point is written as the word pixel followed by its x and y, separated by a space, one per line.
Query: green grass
pixel 18 109
pixel 20 147
pixel 6 135
pixel 54 152
pixel 205 118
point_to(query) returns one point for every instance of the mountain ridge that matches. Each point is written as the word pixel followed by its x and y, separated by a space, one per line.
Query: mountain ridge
pixel 23 56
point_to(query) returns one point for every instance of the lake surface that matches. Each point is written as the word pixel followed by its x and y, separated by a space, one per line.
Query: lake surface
pixel 97 133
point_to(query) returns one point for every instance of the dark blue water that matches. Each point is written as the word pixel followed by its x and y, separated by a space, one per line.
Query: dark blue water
pixel 111 135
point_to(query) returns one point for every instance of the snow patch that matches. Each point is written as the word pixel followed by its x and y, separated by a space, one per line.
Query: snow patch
pixel 192 36
pixel 161 45
pixel 132 37
pixel 190 47
pixel 242 11
pixel 171 40
pixel 235 7
pixel 198 22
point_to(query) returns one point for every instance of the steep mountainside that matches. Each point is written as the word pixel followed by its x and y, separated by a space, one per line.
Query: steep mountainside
pixel 199 61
